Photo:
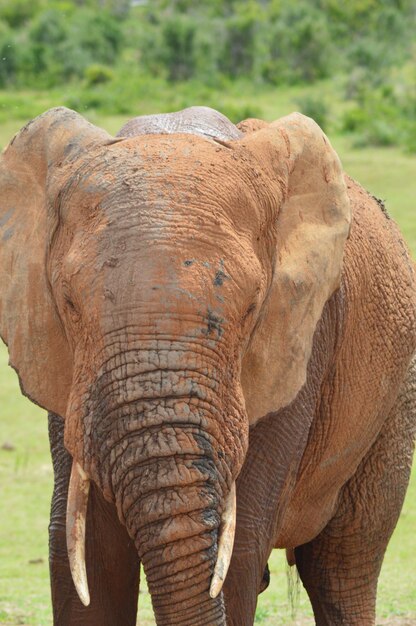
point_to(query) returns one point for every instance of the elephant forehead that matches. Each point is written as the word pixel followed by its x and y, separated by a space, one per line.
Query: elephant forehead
pixel 176 175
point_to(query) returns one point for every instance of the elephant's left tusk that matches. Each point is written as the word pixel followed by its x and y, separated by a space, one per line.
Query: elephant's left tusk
pixel 225 544
pixel 76 513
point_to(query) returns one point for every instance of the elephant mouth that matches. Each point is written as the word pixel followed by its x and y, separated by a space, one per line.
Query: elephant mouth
pixel 78 492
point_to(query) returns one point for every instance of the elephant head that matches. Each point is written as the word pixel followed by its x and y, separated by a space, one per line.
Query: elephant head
pixel 161 292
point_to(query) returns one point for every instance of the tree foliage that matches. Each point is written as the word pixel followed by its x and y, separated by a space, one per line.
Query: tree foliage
pixel 44 43
pixel 275 41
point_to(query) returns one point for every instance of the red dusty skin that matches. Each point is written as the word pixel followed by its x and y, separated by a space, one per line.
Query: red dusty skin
pixel 157 413
pixel 169 486
pixel 170 471
pixel 153 281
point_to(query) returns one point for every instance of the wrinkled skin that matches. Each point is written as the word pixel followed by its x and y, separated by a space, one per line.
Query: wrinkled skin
pixel 194 304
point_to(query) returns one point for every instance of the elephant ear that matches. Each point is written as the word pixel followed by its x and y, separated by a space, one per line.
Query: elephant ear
pixel 311 224
pixel 251 124
pixel 29 322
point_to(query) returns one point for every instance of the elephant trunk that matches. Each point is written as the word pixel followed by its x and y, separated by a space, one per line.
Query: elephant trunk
pixel 175 529
pixel 169 493
pixel 169 457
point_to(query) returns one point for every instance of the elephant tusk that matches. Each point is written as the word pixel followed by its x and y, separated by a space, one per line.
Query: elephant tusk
pixel 225 544
pixel 76 513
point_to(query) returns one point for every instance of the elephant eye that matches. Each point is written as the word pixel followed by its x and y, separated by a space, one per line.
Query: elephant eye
pixel 249 311
pixel 69 303
pixel 71 308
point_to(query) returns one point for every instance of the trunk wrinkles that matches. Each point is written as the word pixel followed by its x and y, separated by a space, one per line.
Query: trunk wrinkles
pixel 167 450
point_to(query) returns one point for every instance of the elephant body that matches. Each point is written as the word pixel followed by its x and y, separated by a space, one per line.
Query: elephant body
pixel 216 310
pixel 339 498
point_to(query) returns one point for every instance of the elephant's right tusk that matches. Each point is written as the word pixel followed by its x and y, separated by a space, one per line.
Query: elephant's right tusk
pixel 225 543
pixel 76 513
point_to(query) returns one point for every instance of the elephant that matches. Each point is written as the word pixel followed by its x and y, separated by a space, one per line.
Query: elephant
pixel 221 325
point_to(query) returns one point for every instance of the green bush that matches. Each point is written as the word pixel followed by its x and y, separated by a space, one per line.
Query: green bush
pixel 354 119
pixel 372 122
pixel 61 43
pixel 377 132
pixel 176 47
pixel 165 46
pixel 17 12
pixel 15 105
pixel 209 53
pixel 241 37
pixel 409 141
pixel 316 108
pixel 385 115
pixel 104 100
pixel 113 52
pixel 301 49
pixel 178 52
pixel 97 74
pixel 239 112
pixel 8 57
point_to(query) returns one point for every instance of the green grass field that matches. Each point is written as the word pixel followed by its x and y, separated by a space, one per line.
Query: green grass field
pixel 26 474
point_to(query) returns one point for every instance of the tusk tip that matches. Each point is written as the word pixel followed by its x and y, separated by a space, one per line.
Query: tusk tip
pixel 216 586
pixel 76 514
pixel 225 543
pixel 84 596
pixel 81 586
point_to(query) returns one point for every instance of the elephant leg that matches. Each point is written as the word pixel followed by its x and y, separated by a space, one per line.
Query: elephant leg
pixel 340 567
pixel 271 462
pixel 112 563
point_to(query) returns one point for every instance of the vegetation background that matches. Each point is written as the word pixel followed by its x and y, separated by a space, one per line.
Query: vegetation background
pixel 349 65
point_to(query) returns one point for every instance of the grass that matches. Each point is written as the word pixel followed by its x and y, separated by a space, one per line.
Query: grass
pixel 25 469
pixel 237 100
